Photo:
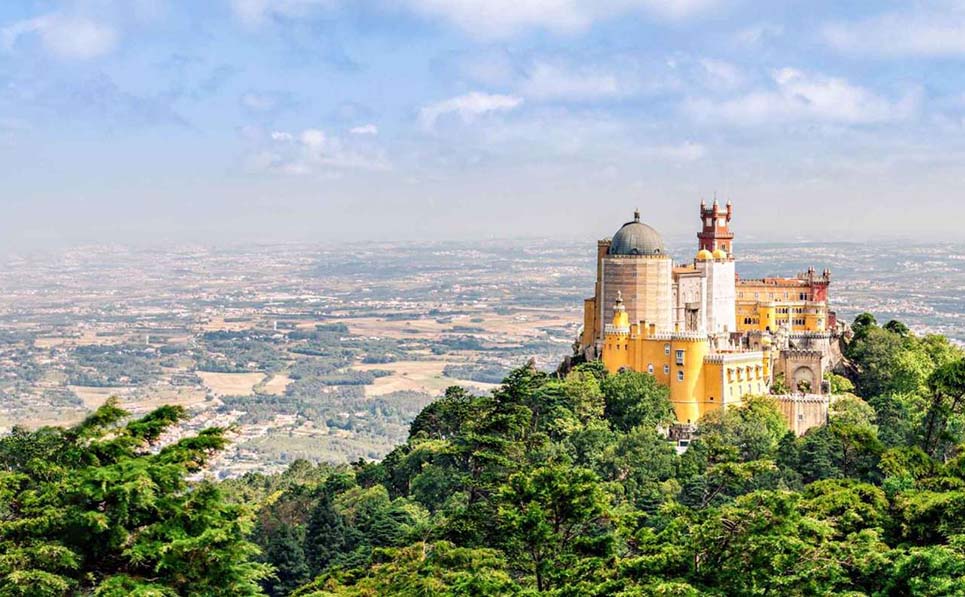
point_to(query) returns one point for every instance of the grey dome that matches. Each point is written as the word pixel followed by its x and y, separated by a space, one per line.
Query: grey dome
pixel 636 238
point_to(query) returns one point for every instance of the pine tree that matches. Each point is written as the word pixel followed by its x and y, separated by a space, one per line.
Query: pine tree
pixel 286 553
pixel 325 534
pixel 100 509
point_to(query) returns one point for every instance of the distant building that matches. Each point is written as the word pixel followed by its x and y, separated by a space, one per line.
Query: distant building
pixel 709 336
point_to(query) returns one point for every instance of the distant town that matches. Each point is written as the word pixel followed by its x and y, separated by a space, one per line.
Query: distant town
pixel 327 353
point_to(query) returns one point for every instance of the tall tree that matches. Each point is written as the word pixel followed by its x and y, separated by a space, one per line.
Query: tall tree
pixel 285 551
pixel 101 508
pixel 947 386
pixel 551 518
pixel 325 535
pixel 634 398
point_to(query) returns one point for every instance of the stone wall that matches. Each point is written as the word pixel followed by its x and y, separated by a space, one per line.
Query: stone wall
pixel 645 283
pixel 801 366
pixel 803 411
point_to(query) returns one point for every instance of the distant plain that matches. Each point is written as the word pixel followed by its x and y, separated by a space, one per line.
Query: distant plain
pixel 328 352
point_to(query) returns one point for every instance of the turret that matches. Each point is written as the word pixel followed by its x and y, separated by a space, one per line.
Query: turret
pixel 617 348
pixel 715 233
pixel 620 318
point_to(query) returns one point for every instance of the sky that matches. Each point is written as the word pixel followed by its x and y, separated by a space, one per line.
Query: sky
pixel 236 121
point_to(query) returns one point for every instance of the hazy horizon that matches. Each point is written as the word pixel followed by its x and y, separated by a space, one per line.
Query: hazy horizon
pixel 679 246
pixel 164 121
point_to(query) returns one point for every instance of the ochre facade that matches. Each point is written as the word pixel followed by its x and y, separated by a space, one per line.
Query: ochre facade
pixel 799 304
pixel 700 379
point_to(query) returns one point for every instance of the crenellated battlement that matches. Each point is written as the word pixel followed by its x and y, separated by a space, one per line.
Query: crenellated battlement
pixel 734 357
pixel 802 398
pixel 809 335
pixel 679 336
pixel 801 353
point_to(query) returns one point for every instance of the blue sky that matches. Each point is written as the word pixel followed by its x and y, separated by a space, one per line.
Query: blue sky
pixel 328 120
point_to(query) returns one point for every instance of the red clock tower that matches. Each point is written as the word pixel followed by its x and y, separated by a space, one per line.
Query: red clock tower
pixel 716 232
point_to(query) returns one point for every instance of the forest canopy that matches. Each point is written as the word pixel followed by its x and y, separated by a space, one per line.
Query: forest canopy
pixel 555 485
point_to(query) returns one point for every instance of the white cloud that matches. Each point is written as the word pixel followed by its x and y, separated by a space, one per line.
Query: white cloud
pixel 255 12
pixel 562 140
pixel 259 102
pixel 497 18
pixel 266 104
pixel 365 129
pixel 493 68
pixel 684 152
pixel 757 34
pixel 313 151
pixel 721 74
pixel 63 36
pixel 902 34
pixel 468 107
pixel 801 97
pixel 10 128
pixel 548 81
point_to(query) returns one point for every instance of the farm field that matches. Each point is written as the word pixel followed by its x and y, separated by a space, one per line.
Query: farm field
pixel 231 384
pixel 415 376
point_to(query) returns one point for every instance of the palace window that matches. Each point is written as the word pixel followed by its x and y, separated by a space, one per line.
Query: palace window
pixel 680 375
pixel 666 369
pixel 680 357
pixel 666 349
pixel 650 368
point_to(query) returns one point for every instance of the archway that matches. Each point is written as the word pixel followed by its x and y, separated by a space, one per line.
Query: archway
pixel 803 379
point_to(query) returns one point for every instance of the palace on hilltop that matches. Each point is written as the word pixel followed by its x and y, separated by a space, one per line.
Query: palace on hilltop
pixel 704 332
